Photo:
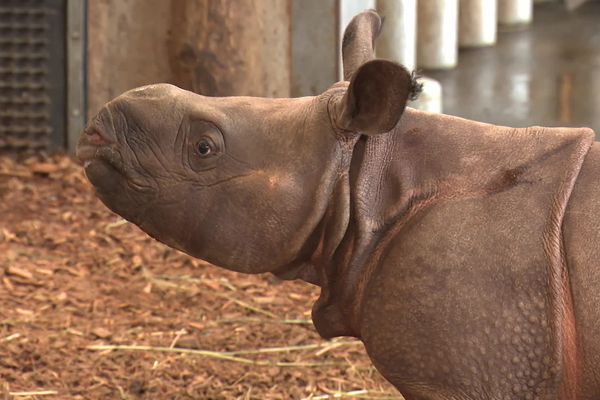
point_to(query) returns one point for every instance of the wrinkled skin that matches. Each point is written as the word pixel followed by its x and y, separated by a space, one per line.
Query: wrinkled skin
pixel 461 253
pixel 154 133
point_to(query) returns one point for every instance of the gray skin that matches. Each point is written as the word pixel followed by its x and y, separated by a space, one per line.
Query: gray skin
pixel 462 254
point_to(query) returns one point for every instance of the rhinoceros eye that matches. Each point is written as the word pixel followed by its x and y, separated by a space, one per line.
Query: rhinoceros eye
pixel 204 148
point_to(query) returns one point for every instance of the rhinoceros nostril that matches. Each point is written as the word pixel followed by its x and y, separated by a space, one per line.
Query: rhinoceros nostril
pixel 95 137
pixel 90 142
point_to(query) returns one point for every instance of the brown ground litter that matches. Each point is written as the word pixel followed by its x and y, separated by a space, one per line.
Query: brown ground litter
pixel 91 308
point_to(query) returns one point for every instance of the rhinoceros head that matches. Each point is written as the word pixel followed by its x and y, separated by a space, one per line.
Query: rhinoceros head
pixel 241 182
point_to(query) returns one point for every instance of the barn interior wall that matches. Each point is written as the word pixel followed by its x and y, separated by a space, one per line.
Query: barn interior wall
pixel 212 47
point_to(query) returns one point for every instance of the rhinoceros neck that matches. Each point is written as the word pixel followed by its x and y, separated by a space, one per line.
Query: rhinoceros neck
pixel 380 192
pixel 427 159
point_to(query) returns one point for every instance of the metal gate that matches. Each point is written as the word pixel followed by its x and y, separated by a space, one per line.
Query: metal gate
pixel 32 74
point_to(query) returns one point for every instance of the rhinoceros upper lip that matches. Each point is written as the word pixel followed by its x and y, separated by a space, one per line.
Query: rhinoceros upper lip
pixel 95 136
pixel 95 144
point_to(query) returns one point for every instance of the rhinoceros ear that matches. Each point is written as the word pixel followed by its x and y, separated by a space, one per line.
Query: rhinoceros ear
pixel 376 97
pixel 358 43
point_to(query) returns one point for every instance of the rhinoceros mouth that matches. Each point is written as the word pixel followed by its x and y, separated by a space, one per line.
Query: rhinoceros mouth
pixel 105 174
pixel 101 160
pixel 105 169
pixel 107 154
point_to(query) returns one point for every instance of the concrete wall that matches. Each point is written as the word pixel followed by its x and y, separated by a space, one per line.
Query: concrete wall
pixel 315 46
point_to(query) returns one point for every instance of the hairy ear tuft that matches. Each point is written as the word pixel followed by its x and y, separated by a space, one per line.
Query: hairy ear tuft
pixel 416 87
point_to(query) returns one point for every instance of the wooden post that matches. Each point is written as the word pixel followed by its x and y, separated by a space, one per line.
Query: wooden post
pixel 232 47
pixel 127 47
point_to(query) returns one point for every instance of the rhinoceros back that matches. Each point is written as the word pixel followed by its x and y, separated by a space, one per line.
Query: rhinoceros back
pixel 582 248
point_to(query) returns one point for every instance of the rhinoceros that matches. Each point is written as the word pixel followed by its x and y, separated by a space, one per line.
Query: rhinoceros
pixel 464 255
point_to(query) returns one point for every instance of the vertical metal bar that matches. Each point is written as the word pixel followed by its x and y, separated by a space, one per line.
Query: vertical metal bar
pixel 338 41
pixel 76 74
pixel 55 77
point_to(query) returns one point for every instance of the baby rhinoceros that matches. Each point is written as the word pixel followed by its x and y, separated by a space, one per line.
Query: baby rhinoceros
pixel 464 255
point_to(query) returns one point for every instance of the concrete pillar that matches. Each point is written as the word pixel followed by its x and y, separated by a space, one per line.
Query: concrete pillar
pixel 232 47
pixel 437 34
pixel 315 46
pixel 477 23
pixel 430 98
pixel 513 12
pixel 398 40
pixel 573 4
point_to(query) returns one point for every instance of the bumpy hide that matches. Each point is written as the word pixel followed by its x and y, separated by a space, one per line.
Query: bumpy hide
pixel 469 291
